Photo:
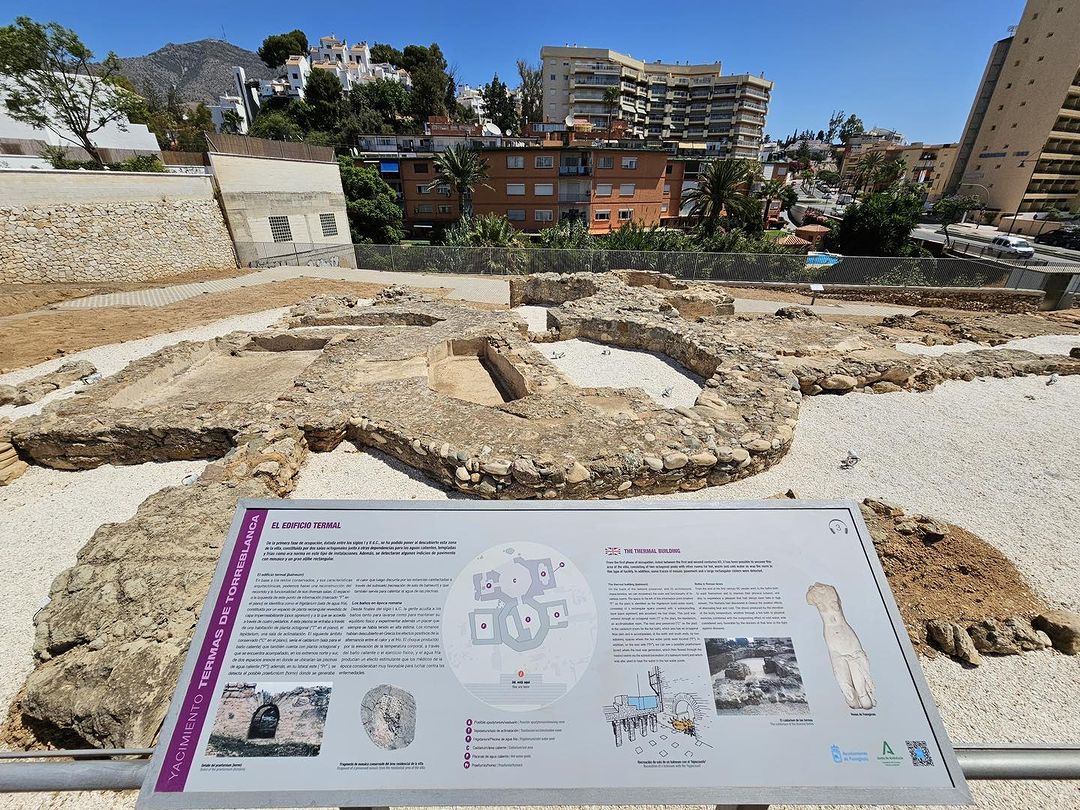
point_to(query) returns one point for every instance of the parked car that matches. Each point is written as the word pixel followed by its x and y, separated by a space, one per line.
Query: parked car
pixel 1013 246
pixel 1063 237
pixel 845 199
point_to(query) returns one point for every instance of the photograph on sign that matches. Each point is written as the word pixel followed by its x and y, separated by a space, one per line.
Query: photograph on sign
pixel 370 654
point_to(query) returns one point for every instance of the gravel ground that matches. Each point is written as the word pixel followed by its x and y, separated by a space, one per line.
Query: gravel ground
pixel 594 365
pixel 115 356
pixel 1043 344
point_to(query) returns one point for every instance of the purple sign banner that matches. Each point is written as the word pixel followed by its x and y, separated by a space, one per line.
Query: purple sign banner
pixel 200 691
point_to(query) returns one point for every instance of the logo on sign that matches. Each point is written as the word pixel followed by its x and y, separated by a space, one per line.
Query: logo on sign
pixel 613 551
pixel 888 757
pixel 837 756
pixel 920 753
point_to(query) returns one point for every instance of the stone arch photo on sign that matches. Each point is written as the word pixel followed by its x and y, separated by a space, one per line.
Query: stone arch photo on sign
pixel 269 719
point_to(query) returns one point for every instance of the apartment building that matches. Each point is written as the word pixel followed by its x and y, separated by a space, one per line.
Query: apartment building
pixel 927 165
pixel 535 187
pixel 657 101
pixel 1020 150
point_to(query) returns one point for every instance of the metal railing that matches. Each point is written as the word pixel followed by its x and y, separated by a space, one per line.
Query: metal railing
pixel 96 770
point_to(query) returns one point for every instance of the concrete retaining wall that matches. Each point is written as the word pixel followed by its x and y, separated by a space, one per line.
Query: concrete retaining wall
pixel 108 226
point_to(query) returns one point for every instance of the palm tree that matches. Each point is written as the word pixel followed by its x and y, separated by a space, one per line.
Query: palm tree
pixel 891 171
pixel 867 168
pixel 461 168
pixel 723 191
pixel 772 190
pixel 612 95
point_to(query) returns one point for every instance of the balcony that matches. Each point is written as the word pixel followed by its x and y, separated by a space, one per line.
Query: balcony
pixel 574 196
pixel 574 171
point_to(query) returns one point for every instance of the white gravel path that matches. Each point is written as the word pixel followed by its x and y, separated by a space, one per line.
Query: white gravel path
pixel 111 358
pixel 1042 344
pixel 595 365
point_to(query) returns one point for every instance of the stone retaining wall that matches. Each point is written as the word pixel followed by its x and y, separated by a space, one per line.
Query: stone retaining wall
pixel 978 299
pixel 108 226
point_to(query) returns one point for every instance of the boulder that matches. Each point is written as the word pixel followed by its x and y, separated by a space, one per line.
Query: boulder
pixel 838 382
pixel 737 672
pixel 952 639
pixel 1063 629
pixel 1010 637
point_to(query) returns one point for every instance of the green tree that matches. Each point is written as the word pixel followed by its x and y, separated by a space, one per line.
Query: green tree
pixel 501 109
pixel 612 96
pixel 231 122
pixel 891 171
pixel 463 169
pixel 276 48
pixel 803 156
pixel 568 234
pixel 723 192
pixel 382 53
pixel 324 96
pixel 829 177
pixel 836 121
pixel 950 210
pixel 850 128
pixel 371 205
pixel 382 105
pixel 490 230
pixel 635 236
pixel 431 82
pixel 532 92
pixel 47 81
pixel 277 126
pixel 867 170
pixel 879 225
pixel 190 133
pixel 777 190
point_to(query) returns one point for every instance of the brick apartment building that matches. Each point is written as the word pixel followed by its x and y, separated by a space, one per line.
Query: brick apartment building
pixel 535 187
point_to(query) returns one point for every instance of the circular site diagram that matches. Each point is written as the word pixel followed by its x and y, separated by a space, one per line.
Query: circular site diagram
pixel 519 626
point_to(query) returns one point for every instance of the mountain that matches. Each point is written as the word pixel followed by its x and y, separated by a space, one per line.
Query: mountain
pixel 200 70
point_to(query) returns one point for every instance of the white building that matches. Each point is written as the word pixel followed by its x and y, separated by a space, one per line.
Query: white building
pixel 352 63
pixel 230 103
pixel 473 98
pixel 20 144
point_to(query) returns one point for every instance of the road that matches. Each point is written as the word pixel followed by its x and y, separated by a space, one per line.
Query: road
pixel 932 233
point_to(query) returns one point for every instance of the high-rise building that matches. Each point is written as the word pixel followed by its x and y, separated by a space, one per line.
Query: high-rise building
pixel 657 101
pixel 1020 151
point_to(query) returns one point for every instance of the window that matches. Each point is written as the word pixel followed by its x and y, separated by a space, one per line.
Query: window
pixel 663 207
pixel 444 209
pixel 543 215
pixel 420 168
pixel 667 169
pixel 603 189
pixel 544 161
pixel 280 230
pixel 328 222
pixel 423 190
pixel 667 188
pixel 515 189
pixel 627 189
pixel 515 162
pixel 626 214
pixel 553 77
pixel 603 216
pixel 607 162
pixel 424 208
pixel 629 162
pixel 516 215
pixel 543 189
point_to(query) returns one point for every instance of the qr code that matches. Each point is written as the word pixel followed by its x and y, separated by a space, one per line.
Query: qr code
pixel 920 752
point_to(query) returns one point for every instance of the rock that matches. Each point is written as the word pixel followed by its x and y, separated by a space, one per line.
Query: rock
pixel 952 639
pixel 907 527
pixel 653 463
pixel 795 312
pixel 462 474
pixel 1010 637
pixel 675 461
pixel 930 530
pixel 577 473
pixel 883 508
pixel 839 382
pixel 495 467
pixel 1063 629
pixel 737 671
pixel 739 455
pixel 525 472
pixel 704 459
pixel 1074 352
pixel 8 393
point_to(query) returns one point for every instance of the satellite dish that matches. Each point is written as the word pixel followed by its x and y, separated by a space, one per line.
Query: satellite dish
pixel 569 121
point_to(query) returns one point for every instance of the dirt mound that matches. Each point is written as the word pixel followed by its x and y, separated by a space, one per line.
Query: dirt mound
pixel 942 571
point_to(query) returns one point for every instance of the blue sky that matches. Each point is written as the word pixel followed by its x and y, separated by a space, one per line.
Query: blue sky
pixel 911 65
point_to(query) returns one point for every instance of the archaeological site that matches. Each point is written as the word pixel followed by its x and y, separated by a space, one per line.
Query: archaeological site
pixel 627 384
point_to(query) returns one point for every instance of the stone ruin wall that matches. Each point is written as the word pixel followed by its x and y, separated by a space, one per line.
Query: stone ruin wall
pixel 99 227
pixel 302 713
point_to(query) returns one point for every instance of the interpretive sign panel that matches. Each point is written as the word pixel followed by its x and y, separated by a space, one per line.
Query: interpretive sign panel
pixel 370 654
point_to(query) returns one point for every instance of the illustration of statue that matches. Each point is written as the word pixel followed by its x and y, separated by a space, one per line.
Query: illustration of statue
pixel 850 664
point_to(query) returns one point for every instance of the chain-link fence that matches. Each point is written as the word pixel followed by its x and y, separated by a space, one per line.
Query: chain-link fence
pixel 727 267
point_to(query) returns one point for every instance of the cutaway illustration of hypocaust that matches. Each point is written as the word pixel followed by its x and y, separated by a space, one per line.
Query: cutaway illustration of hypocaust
pixel 469 399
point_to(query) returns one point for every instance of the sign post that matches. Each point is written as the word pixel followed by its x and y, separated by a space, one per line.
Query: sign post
pixel 372 654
